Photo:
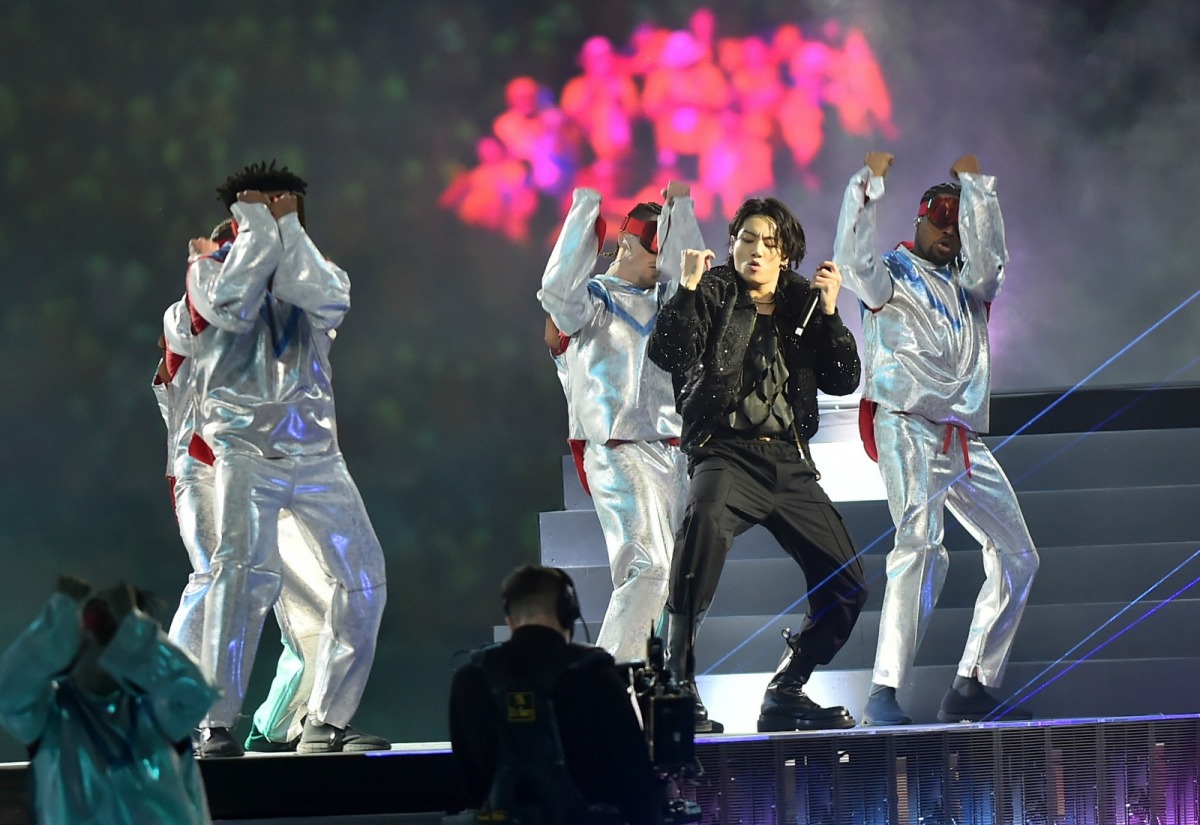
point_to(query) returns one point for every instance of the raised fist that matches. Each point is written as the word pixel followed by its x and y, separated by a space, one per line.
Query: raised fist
pixel 283 204
pixel 202 246
pixel 879 163
pixel 694 262
pixel 967 163
pixel 253 196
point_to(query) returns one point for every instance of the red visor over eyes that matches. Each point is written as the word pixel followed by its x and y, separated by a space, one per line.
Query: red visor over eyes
pixel 647 232
pixel 941 211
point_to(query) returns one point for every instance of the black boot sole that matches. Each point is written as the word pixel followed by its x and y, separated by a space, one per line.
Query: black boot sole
pixel 785 724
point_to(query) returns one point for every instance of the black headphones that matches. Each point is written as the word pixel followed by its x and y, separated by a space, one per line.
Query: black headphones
pixel 566 604
pixel 534 578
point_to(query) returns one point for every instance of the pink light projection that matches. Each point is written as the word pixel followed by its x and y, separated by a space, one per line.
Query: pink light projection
pixel 719 110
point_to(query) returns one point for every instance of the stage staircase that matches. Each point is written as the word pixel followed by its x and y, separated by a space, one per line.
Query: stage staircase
pixel 1112 627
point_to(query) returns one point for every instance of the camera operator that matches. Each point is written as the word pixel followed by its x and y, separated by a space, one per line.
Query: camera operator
pixel 542 729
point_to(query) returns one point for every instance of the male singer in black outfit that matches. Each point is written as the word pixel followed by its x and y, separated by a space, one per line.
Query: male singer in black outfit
pixel 749 344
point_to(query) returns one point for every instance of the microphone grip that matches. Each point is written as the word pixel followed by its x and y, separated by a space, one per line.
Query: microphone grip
pixel 810 307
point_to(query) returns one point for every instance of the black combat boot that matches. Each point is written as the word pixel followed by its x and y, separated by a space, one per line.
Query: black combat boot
pixel 681 660
pixel 785 706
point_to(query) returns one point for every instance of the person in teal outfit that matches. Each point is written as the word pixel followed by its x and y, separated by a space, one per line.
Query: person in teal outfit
pixel 106 704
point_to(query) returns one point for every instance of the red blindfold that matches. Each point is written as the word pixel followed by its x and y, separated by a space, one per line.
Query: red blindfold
pixel 646 231
pixel 941 211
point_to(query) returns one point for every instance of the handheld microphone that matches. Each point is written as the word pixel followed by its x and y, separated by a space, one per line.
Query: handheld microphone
pixel 813 299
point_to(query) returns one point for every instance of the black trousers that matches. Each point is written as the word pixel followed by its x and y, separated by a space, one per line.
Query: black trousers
pixel 737 484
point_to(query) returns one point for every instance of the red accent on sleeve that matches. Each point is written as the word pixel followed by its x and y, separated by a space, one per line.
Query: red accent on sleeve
pixel 987 310
pixel 577 446
pixel 174 504
pixel 601 231
pixel 199 450
pixel 866 427
pixel 199 322
pixel 563 342
pixel 173 361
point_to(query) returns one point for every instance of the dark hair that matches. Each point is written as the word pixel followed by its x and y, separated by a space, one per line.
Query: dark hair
pixel 535 588
pixel 646 211
pixel 941 189
pixel 222 232
pixel 262 178
pixel 791 234
pixel 648 214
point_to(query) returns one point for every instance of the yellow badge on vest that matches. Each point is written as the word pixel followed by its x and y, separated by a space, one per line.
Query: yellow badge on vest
pixel 520 707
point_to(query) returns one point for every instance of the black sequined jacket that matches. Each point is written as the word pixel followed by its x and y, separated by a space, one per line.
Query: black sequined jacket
pixel 701 338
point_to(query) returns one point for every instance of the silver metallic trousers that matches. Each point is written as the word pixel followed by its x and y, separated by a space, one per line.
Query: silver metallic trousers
pixel 924 474
pixel 300 609
pixel 639 489
pixel 246 578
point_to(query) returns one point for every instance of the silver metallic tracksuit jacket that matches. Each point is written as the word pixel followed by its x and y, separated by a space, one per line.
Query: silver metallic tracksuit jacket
pixel 928 368
pixel 623 407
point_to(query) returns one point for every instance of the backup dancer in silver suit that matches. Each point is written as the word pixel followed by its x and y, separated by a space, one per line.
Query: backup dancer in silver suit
pixel 262 309
pixel 622 406
pixel 928 365
pixel 307 592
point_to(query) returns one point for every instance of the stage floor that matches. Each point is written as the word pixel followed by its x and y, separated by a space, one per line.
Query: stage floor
pixel 1117 771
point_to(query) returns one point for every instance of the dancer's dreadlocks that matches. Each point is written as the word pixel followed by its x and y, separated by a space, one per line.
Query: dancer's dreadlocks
pixel 260 177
